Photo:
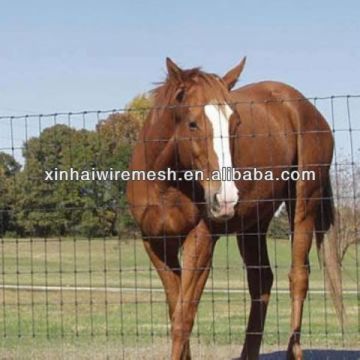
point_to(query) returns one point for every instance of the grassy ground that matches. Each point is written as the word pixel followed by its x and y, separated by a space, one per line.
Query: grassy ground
pixel 130 321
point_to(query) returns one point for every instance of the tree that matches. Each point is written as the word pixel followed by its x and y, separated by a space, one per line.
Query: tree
pixel 347 203
pixel 9 169
pixel 118 134
pixel 90 208
pixel 140 106
pixel 53 207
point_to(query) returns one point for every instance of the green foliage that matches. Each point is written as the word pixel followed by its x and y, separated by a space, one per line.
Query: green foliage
pixel 118 135
pixel 32 206
pixel 87 208
pixel 9 169
pixel 52 207
pixel 139 107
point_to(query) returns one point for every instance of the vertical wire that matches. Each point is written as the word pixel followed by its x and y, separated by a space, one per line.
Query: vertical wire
pixel 356 230
pixel 326 324
pixel 114 206
pixel 91 295
pixel 212 267
pixel 148 193
pixel 241 242
pixel 3 274
pixel 232 149
pixel 31 240
pixel 256 235
pixel 322 216
pixel 198 316
pixel 4 308
pixel 142 115
pixel 228 287
pixel 89 251
pixel 74 249
pixel 180 170
pixel 226 222
pixel 18 301
pixel 18 307
pixel 291 199
pixel 55 117
pixel 106 301
pixel 320 167
pixel 146 141
pixel 193 197
pixel 228 135
pixel 73 240
pixel 232 137
pixel 122 332
pixel 219 111
pixel 305 197
pixel 120 273
pixel 47 288
pixel 272 164
pixel 259 266
pixel 40 118
pixel 61 271
pixel 136 294
pixel 337 186
pixel 319 213
pixel 104 243
pixel 322 212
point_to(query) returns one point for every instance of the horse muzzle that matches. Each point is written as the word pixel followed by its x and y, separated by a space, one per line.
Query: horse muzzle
pixel 222 208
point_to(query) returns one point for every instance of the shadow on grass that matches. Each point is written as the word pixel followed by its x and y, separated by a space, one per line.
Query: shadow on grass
pixel 317 355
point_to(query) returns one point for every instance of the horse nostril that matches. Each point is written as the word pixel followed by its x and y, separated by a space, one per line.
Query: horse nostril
pixel 216 202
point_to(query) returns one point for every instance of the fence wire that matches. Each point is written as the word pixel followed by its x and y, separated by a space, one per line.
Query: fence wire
pixel 75 279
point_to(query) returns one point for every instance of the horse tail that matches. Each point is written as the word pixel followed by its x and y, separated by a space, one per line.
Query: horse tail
pixel 328 250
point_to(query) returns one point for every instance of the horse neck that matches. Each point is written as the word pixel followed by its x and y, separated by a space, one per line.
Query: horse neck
pixel 157 140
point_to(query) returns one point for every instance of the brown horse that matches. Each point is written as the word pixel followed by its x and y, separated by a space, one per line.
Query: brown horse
pixel 198 123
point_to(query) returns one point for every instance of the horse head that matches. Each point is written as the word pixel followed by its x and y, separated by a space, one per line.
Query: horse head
pixel 201 115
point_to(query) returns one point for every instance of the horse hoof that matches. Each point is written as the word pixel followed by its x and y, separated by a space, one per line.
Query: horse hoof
pixel 295 352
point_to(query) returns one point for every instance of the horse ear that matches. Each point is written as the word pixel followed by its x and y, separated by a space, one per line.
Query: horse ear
pixel 232 76
pixel 173 70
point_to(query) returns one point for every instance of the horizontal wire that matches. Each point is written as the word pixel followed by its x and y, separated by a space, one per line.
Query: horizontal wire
pixel 109 111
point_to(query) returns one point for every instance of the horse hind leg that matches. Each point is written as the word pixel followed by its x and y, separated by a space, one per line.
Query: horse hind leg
pixel 163 253
pixel 303 226
pixel 253 249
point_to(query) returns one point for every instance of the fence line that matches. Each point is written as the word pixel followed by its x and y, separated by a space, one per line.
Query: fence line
pixel 71 265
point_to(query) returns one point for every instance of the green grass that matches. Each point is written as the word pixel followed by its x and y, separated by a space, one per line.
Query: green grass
pixel 133 322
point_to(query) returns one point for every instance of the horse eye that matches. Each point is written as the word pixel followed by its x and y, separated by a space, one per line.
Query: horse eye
pixel 193 125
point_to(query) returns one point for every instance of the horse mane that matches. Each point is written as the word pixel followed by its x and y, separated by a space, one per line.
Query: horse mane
pixel 214 88
pixel 159 124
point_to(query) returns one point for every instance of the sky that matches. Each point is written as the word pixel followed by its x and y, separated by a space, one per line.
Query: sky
pixel 82 55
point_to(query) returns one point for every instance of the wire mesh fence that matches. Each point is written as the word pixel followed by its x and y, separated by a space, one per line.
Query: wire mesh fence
pixel 75 279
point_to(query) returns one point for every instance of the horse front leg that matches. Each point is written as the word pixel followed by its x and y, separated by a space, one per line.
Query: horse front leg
pixel 253 249
pixel 197 255
pixel 163 253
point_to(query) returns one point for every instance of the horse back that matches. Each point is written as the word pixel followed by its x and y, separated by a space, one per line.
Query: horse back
pixel 279 119
pixel 279 130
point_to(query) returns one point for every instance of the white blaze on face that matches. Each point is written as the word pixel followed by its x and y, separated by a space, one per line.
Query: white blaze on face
pixel 219 116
